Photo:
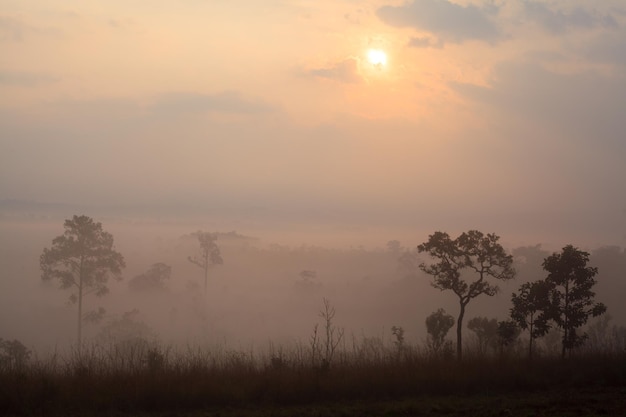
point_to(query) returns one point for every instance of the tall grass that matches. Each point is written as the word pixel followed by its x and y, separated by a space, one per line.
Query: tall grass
pixel 138 376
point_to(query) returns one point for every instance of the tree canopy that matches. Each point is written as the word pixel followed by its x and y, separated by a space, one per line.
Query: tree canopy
pixel 571 297
pixel 474 252
pixel 82 259
pixel 209 254
pixel 155 278
pixel 531 310
pixel 438 324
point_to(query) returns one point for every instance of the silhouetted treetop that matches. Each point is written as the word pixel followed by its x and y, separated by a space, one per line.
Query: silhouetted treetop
pixel 473 251
pixel 82 259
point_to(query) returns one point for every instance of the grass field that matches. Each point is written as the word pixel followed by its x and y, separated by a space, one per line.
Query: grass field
pixel 364 381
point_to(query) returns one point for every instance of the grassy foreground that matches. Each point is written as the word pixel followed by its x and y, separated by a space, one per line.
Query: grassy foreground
pixel 363 382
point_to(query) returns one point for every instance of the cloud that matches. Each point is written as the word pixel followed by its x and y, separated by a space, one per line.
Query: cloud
pixel 25 79
pixel 346 71
pixel 560 21
pixel 223 102
pixel 16 30
pixel 426 42
pixel 355 17
pixel 586 107
pixel 449 21
pixel 609 47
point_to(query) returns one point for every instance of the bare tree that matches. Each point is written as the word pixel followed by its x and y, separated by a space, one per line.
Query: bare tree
pixel 82 259
pixel 332 337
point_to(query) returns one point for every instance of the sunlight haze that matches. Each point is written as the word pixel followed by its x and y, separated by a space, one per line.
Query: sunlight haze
pixel 395 117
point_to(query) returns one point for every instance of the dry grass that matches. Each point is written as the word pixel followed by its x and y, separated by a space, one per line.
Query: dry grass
pixel 137 378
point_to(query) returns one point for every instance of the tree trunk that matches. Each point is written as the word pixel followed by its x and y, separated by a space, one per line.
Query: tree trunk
pixel 530 343
pixel 459 333
pixel 206 270
pixel 566 333
pixel 530 347
pixel 80 314
pixel 80 305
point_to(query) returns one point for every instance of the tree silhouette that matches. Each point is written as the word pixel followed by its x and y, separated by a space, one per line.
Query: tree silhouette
pixel 571 298
pixel 486 330
pixel 438 324
pixel 480 254
pixel 154 279
pixel 82 259
pixel 13 355
pixel 508 332
pixel 531 310
pixel 209 254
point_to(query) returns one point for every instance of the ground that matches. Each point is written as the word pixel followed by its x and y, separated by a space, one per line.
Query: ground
pixel 562 403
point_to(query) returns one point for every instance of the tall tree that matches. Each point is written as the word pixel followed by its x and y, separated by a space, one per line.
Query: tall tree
pixel 472 251
pixel 531 310
pixel 571 297
pixel 82 259
pixel 209 254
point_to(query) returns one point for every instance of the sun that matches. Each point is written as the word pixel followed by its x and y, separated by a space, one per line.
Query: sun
pixel 377 57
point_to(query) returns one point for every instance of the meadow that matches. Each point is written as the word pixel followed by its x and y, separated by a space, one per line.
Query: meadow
pixel 363 377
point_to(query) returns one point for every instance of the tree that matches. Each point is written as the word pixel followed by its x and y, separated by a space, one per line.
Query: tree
pixel 13 354
pixel 398 333
pixel 394 246
pixel 438 324
pixel 209 254
pixel 82 259
pixel 571 298
pixel 408 263
pixel 481 254
pixel 508 332
pixel 486 330
pixel 126 331
pixel 307 283
pixel 531 310
pixel 153 279
pixel 325 349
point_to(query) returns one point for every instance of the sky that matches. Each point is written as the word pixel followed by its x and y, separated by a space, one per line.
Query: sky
pixel 507 116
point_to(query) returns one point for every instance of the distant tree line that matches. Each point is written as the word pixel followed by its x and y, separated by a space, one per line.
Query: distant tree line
pixel 83 259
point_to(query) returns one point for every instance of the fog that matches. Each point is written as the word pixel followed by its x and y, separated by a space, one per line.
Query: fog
pixel 261 294
pixel 266 121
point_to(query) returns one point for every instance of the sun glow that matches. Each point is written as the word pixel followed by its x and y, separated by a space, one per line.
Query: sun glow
pixel 377 57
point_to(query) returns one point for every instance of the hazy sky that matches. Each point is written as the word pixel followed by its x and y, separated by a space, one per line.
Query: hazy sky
pixel 487 113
